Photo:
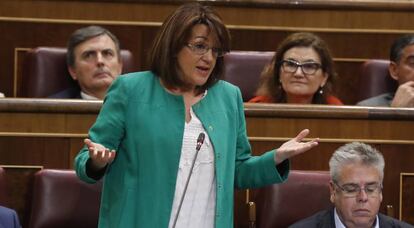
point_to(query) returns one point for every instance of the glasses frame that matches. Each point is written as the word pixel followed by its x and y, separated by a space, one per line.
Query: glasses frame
pixel 373 194
pixel 217 52
pixel 298 64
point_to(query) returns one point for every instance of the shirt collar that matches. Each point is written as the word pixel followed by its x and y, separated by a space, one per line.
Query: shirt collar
pixel 339 224
pixel 87 97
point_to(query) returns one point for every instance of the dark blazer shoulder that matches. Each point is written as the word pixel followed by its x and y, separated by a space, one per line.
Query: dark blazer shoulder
pixel 72 92
pixel 9 218
pixel 322 219
pixel 389 222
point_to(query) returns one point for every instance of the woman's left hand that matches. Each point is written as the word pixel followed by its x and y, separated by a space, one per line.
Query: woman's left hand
pixel 294 147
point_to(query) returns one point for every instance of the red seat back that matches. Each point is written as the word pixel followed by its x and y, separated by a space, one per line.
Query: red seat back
pixel 302 195
pixel 375 79
pixel 243 69
pixel 61 199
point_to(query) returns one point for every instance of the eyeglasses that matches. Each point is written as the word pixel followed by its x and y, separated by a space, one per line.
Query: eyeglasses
pixel 291 66
pixel 201 49
pixel 353 190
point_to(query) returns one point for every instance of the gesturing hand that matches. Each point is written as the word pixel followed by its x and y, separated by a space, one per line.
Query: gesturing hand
pixel 99 154
pixel 294 147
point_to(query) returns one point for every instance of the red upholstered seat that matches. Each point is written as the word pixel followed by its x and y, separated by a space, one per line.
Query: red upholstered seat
pixel 61 199
pixel 243 69
pixel 375 79
pixel 45 71
pixel 302 195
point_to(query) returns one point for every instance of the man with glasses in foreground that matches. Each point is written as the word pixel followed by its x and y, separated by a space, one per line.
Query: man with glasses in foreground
pixel 357 172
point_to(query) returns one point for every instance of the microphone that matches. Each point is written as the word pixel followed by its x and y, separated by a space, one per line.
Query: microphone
pixel 200 141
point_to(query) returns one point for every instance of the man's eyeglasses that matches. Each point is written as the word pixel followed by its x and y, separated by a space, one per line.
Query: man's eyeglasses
pixel 291 66
pixel 353 190
pixel 201 49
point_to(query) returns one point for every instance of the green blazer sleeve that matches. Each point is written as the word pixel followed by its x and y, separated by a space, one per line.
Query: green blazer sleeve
pixel 255 171
pixel 109 126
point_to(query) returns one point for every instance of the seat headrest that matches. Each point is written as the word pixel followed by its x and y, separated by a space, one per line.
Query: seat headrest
pixel 243 69
pixel 375 79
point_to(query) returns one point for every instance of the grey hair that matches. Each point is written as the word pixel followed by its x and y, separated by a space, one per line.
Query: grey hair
pixel 355 152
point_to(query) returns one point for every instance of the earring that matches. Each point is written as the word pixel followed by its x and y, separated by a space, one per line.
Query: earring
pixel 320 90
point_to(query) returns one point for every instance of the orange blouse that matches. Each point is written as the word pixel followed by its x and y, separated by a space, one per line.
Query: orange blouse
pixel 330 100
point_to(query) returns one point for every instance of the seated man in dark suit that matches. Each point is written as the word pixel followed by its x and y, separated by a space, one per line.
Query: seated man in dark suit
pixel 8 218
pixel 94 60
pixel 401 68
pixel 357 172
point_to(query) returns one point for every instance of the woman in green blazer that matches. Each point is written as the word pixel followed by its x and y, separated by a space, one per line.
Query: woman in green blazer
pixel 153 120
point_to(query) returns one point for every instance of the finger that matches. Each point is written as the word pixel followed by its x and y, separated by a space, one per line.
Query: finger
pixel 302 135
pixel 410 83
pixel 88 142
pixel 105 156
pixel 111 156
pixel 309 145
pixel 314 142
pixel 93 154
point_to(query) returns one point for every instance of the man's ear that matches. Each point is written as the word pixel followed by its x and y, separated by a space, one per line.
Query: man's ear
pixel 332 191
pixel 393 69
pixel 72 73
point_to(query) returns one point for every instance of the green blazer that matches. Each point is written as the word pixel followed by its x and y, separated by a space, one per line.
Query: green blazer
pixel 145 124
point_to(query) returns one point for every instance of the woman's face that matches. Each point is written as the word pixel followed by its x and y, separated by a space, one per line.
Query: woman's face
pixel 301 83
pixel 196 66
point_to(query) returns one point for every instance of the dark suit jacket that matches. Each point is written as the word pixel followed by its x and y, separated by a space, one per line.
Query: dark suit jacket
pixel 325 219
pixel 73 92
pixel 8 218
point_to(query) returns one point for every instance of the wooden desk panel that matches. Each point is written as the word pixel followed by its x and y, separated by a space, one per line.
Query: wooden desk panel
pixel 49 133
pixel 407 197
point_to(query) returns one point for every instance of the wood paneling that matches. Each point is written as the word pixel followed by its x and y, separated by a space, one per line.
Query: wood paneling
pixel 354 32
pixel 319 14
pixel 407 197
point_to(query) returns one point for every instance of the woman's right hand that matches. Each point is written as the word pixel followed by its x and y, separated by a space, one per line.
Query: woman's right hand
pixel 100 155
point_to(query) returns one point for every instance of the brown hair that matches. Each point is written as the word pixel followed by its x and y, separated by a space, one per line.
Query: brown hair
pixel 173 36
pixel 270 79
